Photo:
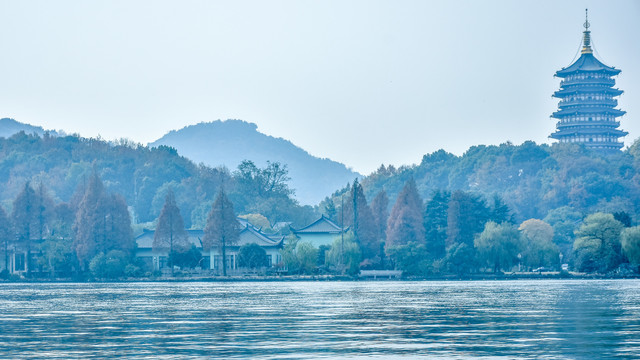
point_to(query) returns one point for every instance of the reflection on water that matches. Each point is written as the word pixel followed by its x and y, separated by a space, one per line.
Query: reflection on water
pixel 265 320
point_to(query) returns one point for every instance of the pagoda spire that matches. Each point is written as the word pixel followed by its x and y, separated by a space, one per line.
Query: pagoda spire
pixel 586 39
pixel 587 112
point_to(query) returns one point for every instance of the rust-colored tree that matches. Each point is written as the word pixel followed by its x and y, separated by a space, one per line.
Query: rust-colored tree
pixel 170 233
pixel 222 229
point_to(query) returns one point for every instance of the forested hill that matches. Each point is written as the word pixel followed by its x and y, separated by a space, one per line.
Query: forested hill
pixel 9 127
pixel 230 142
pixel 142 175
pixel 531 179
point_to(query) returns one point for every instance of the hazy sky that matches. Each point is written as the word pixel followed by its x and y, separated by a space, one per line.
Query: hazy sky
pixel 360 82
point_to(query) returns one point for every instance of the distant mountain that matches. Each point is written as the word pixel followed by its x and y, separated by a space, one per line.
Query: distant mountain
pixel 8 127
pixel 230 142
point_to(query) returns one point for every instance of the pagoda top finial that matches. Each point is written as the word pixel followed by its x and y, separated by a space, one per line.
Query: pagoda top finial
pixel 586 39
pixel 586 16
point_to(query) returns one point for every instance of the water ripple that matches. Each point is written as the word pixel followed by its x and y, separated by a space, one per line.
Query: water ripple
pixel 279 320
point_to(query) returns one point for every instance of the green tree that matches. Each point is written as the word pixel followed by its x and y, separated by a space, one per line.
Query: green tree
pixel 6 235
pixel 330 210
pixel 25 217
pixel 109 266
pixel 460 258
pixel 631 244
pixel 435 223
pixel 344 255
pixel 405 224
pixel 299 256
pixel 170 233
pixel 186 257
pixel 499 212
pixel 222 229
pixel 466 216
pixel 102 223
pixel 538 248
pixel 357 215
pixel 89 221
pixel 597 245
pixel 252 256
pixel 412 258
pixel 380 210
pixel 57 251
pixel 258 220
pixel 498 246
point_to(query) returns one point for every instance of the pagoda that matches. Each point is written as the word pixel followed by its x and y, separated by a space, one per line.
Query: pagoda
pixel 586 112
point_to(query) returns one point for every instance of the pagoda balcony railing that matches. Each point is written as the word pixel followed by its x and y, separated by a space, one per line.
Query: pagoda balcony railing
pixel 588 102
pixel 591 81
pixel 605 144
pixel 587 142
pixel 582 124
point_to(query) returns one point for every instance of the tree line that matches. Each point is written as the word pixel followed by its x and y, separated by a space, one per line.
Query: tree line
pixel 463 232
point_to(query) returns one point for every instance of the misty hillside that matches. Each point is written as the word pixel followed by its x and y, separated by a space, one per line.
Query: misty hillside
pixel 9 127
pixel 230 142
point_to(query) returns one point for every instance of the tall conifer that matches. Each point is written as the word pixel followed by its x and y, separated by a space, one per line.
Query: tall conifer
pixel 170 233
pixel 6 235
pixel 222 229
pixel 405 222
pixel 102 223
pixel 358 215
pixel 25 219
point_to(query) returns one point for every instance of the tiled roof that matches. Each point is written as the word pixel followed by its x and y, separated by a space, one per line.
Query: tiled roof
pixel 322 225
pixel 587 62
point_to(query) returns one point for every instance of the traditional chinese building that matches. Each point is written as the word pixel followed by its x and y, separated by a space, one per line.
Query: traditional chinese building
pixel 587 111
pixel 157 259
pixel 320 232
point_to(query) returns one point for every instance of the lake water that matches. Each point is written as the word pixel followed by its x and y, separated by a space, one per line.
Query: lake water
pixel 580 319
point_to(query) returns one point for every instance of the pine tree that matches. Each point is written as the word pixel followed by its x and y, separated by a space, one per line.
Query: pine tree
pixel 25 219
pixel 435 223
pixel 170 233
pixel 89 224
pixel 466 217
pixel 379 208
pixel 6 234
pixel 119 230
pixel 102 223
pixel 222 228
pixel 358 215
pixel 405 223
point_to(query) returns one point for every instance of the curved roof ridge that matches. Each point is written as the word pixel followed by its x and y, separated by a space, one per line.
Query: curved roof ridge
pixel 587 62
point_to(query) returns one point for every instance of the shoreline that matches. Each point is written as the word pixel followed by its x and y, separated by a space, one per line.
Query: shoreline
pixel 344 278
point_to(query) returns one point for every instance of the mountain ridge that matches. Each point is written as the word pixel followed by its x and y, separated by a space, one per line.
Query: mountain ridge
pixel 229 142
pixel 9 127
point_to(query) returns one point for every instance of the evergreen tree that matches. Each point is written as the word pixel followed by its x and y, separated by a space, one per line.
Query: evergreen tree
pixel 435 223
pixel 170 233
pixel 499 211
pixel 466 217
pixel 89 225
pixel 119 230
pixel 330 210
pixel 25 218
pixel 379 208
pixel 357 214
pixel 630 240
pixel 102 223
pixel 405 222
pixel 252 256
pixel 222 227
pixel 6 235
